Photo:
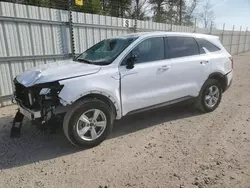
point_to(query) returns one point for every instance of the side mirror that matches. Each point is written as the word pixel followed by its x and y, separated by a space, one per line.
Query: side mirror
pixel 131 62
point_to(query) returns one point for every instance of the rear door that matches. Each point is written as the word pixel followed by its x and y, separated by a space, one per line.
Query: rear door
pixel 189 67
pixel 217 55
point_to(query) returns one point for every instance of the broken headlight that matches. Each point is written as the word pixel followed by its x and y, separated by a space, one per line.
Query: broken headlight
pixel 47 94
pixel 45 91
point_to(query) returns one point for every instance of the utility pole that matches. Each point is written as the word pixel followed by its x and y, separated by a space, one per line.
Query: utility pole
pixel 180 19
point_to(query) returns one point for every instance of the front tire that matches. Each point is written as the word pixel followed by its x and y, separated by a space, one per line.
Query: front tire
pixel 210 96
pixel 88 123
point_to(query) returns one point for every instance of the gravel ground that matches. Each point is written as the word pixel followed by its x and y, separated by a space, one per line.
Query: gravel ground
pixel 176 147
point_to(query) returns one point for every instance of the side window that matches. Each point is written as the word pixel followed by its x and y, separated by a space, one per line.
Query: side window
pixel 208 45
pixel 149 50
pixel 182 46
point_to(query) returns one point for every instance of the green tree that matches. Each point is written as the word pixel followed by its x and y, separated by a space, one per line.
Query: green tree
pixel 139 9
pixel 164 10
pixel 116 8
pixel 159 13
pixel 173 11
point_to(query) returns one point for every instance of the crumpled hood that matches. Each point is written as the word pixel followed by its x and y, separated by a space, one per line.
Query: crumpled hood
pixel 56 71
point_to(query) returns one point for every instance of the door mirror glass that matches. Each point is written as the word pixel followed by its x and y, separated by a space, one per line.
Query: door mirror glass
pixel 131 61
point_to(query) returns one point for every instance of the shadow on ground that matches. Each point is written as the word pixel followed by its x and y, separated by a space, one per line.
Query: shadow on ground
pixel 35 145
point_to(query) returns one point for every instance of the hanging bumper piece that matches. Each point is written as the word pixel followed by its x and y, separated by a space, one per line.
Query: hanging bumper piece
pixel 17 125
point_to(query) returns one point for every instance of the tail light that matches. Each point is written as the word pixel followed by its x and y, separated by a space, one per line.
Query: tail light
pixel 232 61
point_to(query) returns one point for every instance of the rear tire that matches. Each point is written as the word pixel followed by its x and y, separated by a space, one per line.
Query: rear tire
pixel 82 128
pixel 210 96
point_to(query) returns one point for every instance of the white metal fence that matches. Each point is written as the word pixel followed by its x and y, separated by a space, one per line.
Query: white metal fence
pixel 31 36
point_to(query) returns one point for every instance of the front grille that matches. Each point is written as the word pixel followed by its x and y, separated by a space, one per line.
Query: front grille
pixel 30 96
pixel 22 94
pixel 19 91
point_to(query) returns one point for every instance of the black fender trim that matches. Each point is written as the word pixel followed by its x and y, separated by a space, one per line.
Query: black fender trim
pixel 222 78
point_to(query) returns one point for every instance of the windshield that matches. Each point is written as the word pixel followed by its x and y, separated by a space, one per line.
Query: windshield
pixel 105 52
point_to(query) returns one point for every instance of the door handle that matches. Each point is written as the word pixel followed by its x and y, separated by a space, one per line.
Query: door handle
pixel 204 62
pixel 163 68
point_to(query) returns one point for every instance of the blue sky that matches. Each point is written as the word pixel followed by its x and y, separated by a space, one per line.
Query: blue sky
pixel 232 12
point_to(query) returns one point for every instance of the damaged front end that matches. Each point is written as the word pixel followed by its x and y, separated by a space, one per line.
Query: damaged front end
pixel 37 102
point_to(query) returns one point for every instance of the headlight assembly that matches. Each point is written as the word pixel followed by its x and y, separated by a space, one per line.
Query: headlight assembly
pixel 44 91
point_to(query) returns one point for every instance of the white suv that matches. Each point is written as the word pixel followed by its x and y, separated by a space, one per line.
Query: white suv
pixel 121 76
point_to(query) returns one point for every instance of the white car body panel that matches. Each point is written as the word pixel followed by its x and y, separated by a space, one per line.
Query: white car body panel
pixel 56 71
pixel 229 78
pixel 220 62
pixel 139 92
pixel 188 75
pixel 144 85
pixel 106 83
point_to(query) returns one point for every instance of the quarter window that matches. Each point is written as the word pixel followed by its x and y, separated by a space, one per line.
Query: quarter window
pixel 208 45
pixel 182 46
pixel 149 50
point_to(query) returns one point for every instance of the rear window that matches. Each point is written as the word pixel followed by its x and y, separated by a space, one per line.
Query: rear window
pixel 207 45
pixel 182 46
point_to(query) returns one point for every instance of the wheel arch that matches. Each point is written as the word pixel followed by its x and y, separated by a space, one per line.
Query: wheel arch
pixel 104 97
pixel 221 78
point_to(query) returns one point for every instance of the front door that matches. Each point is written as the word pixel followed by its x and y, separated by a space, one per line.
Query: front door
pixel 147 83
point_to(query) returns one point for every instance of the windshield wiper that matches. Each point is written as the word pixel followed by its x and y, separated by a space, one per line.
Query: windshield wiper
pixel 93 63
pixel 84 60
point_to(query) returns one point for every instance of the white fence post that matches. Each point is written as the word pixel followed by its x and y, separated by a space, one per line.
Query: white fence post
pixel 245 40
pixel 195 25
pixel 211 28
pixel 222 35
pixel 239 41
pixel 231 43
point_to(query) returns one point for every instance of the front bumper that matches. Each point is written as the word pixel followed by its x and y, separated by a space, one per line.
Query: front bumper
pixel 30 114
pixel 18 119
pixel 229 78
